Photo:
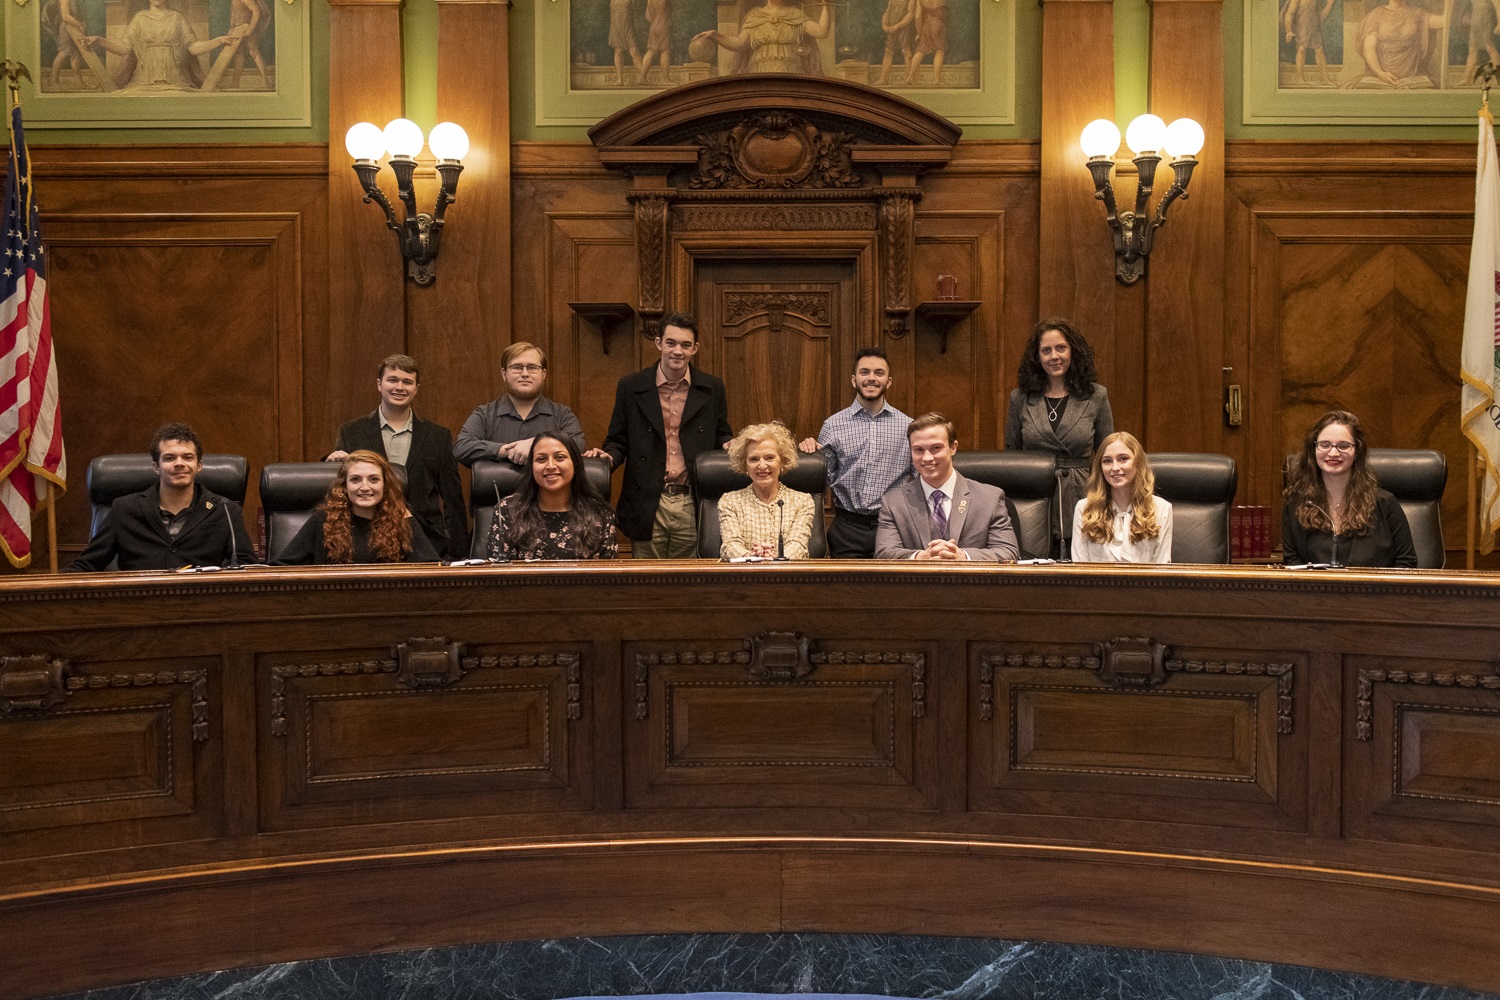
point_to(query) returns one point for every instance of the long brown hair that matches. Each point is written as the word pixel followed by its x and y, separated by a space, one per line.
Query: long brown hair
pixel 1098 508
pixel 390 534
pixel 1307 491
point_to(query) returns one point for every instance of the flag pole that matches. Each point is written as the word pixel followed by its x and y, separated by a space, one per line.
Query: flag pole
pixel 1472 517
pixel 52 526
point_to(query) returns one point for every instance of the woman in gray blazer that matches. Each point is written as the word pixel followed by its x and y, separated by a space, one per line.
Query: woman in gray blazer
pixel 1059 408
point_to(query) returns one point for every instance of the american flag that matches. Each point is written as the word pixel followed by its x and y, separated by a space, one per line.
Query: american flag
pixel 31 444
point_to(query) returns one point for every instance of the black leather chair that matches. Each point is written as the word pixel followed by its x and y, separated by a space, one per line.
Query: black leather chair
pixel 1029 479
pixel 493 481
pixel 715 477
pixel 113 476
pixel 1417 478
pixel 1201 489
pixel 288 493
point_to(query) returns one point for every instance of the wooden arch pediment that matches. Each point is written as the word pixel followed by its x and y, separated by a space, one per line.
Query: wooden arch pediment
pixel 676 115
pixel 781 160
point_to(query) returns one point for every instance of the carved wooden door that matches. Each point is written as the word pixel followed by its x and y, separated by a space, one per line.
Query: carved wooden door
pixel 781 334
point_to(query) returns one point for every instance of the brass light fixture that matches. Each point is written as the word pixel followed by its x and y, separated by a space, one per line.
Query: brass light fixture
pixel 418 234
pixel 1148 136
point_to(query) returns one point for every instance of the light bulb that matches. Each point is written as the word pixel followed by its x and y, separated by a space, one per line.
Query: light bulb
pixel 1145 134
pixel 403 137
pixel 1184 138
pixel 1101 137
pixel 365 141
pixel 448 141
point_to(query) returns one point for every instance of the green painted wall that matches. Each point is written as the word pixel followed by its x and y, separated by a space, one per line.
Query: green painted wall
pixel 523 78
pixel 316 132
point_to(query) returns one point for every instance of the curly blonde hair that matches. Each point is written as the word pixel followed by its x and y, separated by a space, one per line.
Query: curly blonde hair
pixel 1098 509
pixel 774 431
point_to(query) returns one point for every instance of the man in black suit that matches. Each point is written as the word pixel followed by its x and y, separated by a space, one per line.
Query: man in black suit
pixel 664 416
pixel 433 493
pixel 176 522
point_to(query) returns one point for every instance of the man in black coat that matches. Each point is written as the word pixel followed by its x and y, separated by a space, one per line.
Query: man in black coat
pixel 175 523
pixel 434 495
pixel 664 416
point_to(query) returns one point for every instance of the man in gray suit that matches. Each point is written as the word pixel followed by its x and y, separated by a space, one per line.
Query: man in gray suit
pixel 940 514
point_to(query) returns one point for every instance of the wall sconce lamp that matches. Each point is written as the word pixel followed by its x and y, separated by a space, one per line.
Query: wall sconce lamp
pixel 419 233
pixel 1146 136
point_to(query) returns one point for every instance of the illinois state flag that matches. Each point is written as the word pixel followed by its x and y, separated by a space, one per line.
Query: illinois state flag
pixel 31 444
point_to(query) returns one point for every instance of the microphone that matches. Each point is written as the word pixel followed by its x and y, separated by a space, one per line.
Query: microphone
pixel 781 532
pixel 1333 562
pixel 1062 531
pixel 234 545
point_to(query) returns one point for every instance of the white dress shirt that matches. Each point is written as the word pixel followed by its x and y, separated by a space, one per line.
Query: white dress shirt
pixel 1119 548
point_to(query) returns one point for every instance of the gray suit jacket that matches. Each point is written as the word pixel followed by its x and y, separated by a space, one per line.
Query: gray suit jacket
pixel 978 522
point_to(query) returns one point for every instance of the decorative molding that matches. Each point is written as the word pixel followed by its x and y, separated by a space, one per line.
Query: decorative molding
pixel 778 657
pixel 774 149
pixel 651 225
pixel 428 663
pixel 1131 662
pixel 39 683
pixel 739 305
pixel 571 663
pixel 1284 673
pixel 897 234
pixel 718 218
pixel 1364 699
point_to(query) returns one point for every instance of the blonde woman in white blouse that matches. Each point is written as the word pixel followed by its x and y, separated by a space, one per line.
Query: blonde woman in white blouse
pixel 1121 519
pixel 752 520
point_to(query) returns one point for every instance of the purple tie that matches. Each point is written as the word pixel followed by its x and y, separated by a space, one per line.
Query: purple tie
pixel 939 519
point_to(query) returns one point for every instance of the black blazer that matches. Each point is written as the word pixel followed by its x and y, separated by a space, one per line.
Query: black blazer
pixel 1387 543
pixel 433 493
pixel 132 532
pixel 638 438
pixel 309 546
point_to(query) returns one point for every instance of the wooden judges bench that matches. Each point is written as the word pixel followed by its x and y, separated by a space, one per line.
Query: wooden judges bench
pixel 228 769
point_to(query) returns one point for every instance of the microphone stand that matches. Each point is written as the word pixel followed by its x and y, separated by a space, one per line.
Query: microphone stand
pixel 781 531
pixel 1062 539
pixel 234 544
pixel 1333 530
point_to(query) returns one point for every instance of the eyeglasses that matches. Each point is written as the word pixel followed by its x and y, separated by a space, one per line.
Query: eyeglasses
pixel 1342 447
pixel 525 369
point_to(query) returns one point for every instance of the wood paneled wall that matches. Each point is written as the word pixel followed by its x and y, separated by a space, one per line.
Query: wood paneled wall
pixel 187 283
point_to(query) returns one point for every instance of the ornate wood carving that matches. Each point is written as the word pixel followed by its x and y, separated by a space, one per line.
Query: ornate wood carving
pixel 897 227
pixel 37 683
pixel 845 161
pixel 425 664
pixel 1131 675
pixel 778 656
pixel 32 683
pixel 1364 707
pixel 739 305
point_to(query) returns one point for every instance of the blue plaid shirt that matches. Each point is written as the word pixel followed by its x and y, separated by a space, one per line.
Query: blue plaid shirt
pixel 866 455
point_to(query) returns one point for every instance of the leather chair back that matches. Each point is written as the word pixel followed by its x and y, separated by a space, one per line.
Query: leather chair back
pixel 289 491
pixel 1417 478
pixel 715 477
pixel 1200 488
pixel 1029 479
pixel 113 476
pixel 493 481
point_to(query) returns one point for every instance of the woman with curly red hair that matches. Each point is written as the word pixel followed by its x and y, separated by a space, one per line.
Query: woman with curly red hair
pixel 363 519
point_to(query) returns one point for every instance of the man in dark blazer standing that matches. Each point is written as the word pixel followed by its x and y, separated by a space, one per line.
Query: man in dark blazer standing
pixel 175 523
pixel 940 514
pixel 433 493
pixel 664 416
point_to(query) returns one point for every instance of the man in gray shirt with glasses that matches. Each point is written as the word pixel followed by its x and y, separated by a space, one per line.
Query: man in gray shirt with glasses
pixel 502 430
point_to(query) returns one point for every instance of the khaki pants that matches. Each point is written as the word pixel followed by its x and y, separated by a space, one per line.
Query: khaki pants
pixel 674 535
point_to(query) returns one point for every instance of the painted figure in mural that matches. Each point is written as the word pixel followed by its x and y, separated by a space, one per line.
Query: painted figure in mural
pixel 1303 24
pixel 932 38
pixel 900 33
pixel 160 51
pixel 1395 41
pixel 658 40
pixel 249 21
pixel 622 38
pixel 774 38
pixel 1483 19
pixel 58 21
